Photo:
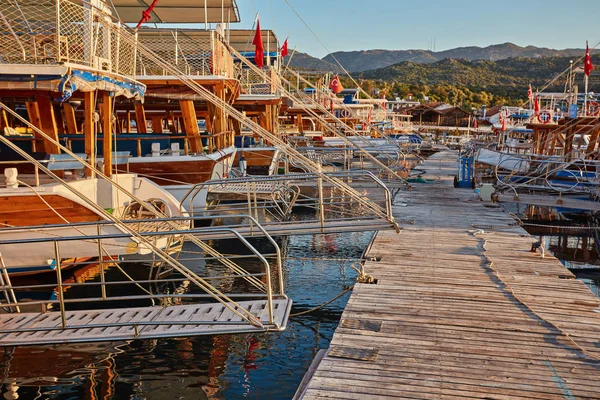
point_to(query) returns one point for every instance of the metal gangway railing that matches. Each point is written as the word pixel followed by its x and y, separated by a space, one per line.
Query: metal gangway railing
pixel 321 113
pixel 169 225
pixel 327 209
pixel 548 173
pixel 128 297
pixel 348 158
pixel 204 93
pixel 130 38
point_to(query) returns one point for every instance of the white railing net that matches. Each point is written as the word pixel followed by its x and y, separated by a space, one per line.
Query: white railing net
pixel 60 31
pixel 193 53
pixel 254 83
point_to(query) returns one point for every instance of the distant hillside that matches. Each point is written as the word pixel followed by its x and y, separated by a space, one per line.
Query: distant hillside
pixel 356 61
pixel 502 75
pixel 303 61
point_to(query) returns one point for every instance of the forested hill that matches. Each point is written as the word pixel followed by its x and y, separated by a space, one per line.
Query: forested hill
pixel 364 60
pixel 502 77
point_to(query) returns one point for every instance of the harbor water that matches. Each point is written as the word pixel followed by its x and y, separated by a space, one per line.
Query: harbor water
pixel 573 239
pixel 252 366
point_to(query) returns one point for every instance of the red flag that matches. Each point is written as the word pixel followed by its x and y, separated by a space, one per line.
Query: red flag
pixel 259 52
pixel 536 105
pixel 588 67
pixel 335 85
pixel 146 14
pixel 530 94
pixel 284 49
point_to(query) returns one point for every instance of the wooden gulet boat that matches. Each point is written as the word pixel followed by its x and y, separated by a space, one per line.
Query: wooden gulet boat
pixel 46 78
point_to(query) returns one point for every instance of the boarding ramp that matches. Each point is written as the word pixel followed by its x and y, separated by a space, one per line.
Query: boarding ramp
pixel 321 207
pixel 123 298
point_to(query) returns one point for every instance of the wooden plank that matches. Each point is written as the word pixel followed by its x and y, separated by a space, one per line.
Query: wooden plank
pixel 140 118
pixel 69 113
pixel 190 124
pixel 457 315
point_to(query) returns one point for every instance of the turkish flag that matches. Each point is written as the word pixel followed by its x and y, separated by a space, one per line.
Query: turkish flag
pixel 335 85
pixel 536 105
pixel 284 49
pixel 259 52
pixel 588 67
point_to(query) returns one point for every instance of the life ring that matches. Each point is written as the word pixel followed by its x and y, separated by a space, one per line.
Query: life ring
pixel 593 108
pixel 545 117
pixel 344 114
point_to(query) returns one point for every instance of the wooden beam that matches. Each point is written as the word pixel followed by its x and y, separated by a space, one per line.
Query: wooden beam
pixel 61 129
pixel 128 122
pixel 190 123
pixel 106 120
pixel 69 112
pixel 157 124
pixel 236 126
pixel 140 118
pixel 569 143
pixel 4 120
pixel 591 148
pixel 218 118
pixel 88 130
pixel 41 115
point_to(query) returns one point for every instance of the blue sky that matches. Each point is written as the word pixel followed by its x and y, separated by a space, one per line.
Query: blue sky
pixel 401 24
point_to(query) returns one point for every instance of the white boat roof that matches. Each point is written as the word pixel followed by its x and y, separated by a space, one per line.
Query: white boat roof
pixel 179 11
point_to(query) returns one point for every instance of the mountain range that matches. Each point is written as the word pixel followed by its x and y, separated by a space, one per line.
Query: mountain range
pixel 365 60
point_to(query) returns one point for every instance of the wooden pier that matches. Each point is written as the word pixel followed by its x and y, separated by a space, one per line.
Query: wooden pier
pixel 461 309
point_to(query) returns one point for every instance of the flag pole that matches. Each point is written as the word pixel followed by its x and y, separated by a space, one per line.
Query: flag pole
pixel 290 59
pixel 587 81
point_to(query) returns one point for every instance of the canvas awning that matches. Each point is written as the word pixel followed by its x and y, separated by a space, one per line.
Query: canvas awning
pixel 179 11
pixel 241 40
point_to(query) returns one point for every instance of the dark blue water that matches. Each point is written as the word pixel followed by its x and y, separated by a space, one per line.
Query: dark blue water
pixel 257 366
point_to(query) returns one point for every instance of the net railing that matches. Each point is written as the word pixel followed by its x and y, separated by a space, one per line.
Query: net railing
pixel 200 53
pixel 54 32
pixel 254 83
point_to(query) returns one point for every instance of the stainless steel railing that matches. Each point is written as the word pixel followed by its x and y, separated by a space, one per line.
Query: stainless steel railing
pixel 314 193
pixel 261 281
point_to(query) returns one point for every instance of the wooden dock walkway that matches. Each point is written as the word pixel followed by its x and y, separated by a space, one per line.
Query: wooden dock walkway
pixel 461 309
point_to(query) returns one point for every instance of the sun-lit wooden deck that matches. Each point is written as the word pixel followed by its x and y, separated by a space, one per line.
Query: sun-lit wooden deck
pixel 462 309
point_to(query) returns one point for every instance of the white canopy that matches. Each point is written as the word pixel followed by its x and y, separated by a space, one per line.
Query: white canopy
pixel 178 11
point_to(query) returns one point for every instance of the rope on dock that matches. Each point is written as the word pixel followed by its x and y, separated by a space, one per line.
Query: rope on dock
pixel 324 304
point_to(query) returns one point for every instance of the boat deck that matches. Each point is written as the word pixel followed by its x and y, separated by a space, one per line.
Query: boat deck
pixel 137 323
pixel 461 309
